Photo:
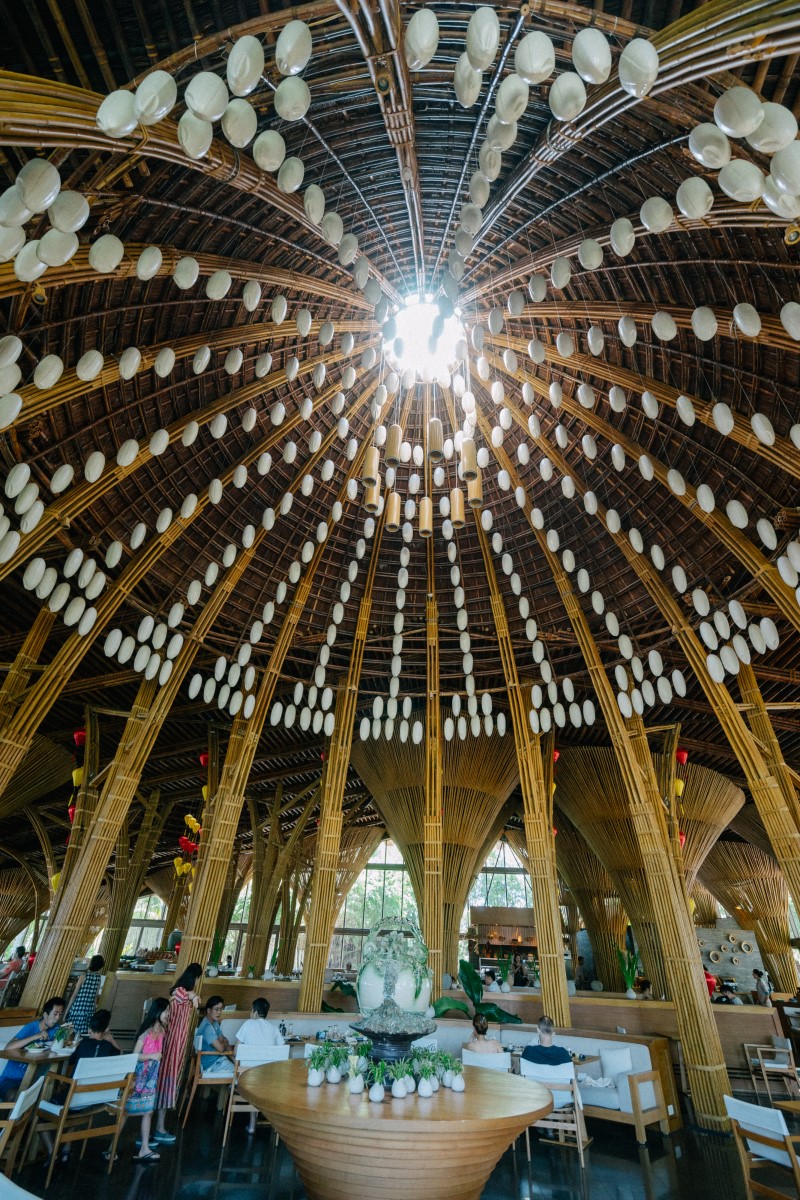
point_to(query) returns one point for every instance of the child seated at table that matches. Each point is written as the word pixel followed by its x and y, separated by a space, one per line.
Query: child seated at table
pixel 43 1029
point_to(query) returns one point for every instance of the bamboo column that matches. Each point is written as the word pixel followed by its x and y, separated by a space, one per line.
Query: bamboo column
pixel 277 862
pixel 332 785
pixel 705 906
pixel 432 915
pixel 85 805
pixel 129 873
pixel 174 906
pixel 751 886
pixel 265 854
pixel 537 814
pixel 698 1031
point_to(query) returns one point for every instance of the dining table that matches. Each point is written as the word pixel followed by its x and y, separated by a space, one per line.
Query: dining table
pixel 347 1147
pixel 34 1062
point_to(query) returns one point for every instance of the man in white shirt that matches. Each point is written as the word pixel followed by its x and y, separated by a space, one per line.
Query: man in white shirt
pixel 492 984
pixel 257 1030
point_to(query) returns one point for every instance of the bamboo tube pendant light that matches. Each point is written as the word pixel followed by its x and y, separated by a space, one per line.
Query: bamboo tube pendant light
pixel 435 440
pixel 469 459
pixel 426 517
pixel 475 490
pixel 457 508
pixel 393 512
pixel 371 467
pixel 394 438
pixel 372 497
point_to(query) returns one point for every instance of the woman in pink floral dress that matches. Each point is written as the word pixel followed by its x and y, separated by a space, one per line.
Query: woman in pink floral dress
pixel 183 1003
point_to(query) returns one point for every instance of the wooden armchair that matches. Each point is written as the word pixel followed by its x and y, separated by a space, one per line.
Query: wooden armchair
pixel 14 1120
pixel 201 1077
pixel 764 1143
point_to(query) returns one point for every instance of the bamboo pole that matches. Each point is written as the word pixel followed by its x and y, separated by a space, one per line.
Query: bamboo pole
pixel 432 899
pixel 334 779
pixel 265 854
pixel 698 1031
pixel 19 673
pixel 537 813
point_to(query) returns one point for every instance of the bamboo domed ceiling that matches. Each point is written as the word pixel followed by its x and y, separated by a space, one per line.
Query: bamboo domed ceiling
pixel 215 357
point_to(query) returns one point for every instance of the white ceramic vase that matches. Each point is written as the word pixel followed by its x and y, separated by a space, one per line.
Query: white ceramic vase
pixel 630 994
pixel 425 1088
pixel 399 1090
pixel 316 1076
pixel 377 1093
pixel 458 1084
pixel 355 1084
pixel 333 1075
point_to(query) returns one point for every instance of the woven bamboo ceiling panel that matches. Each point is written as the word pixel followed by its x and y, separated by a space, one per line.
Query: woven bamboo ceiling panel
pixel 285 291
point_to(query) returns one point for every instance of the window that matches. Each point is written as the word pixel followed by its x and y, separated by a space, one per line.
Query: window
pixel 147 925
pixel 382 890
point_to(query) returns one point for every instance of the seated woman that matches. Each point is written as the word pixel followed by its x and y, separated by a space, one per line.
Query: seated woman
pixel 257 1030
pixel 479 1043
pixel 213 1038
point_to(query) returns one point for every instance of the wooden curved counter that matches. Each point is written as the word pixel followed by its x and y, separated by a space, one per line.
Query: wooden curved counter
pixel 347 1148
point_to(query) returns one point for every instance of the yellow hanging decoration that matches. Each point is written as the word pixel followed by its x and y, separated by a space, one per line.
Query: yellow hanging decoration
pixel 205 791
pixel 679 786
pixel 77 777
pixel 54 882
pixel 187 867
pixel 178 863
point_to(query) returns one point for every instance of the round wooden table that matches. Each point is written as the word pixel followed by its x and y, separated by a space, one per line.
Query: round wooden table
pixel 347 1148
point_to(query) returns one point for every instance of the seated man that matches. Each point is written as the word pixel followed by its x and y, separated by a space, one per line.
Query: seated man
pixel 213 1038
pixel 98 1042
pixel 546 1053
pixel 257 1030
pixel 726 996
pixel 492 985
pixel 44 1029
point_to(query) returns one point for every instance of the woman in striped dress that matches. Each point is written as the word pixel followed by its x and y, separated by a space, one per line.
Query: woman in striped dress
pixel 178 1018
pixel 84 998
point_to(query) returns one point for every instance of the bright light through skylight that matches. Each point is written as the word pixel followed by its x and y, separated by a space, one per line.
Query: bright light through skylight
pixel 415 326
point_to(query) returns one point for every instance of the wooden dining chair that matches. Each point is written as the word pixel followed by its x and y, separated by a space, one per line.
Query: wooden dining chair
pixel 202 1077
pixel 14 1120
pixel 772 1061
pixel 489 1062
pixel 763 1141
pixel 99 1088
pixel 566 1118
pixel 247 1057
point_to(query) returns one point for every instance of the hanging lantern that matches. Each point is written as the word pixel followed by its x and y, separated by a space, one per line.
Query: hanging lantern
pixel 555 831
pixel 457 508
pixel 426 517
pixel 682 757
pixel 682 838
pixel 204 791
pixel 71 813
pixel 475 491
pixel 178 864
pixel 435 440
pixel 393 512
pixel 79 737
pixel 394 440
pixel 556 756
pixel 77 777
pixel 372 498
pixel 469 462
pixel 371 472
pixel 679 787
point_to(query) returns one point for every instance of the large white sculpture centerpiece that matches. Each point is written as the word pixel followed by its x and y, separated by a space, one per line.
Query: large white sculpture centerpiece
pixel 394 988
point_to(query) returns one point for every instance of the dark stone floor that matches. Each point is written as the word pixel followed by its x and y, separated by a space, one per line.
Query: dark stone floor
pixel 689 1165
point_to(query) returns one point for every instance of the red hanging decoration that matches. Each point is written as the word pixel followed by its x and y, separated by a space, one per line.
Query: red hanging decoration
pixel 682 757
pixel 556 756
pixel 71 813
pixel 79 737
pixel 66 840
pixel 204 759
pixel 682 838
pixel 555 831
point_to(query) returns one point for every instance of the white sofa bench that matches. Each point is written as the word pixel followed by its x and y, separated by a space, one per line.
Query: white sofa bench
pixel 634 1095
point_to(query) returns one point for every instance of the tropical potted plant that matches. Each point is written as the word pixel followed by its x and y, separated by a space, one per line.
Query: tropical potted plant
pixel 426 1074
pixel 473 987
pixel 377 1075
pixel 217 946
pixel 504 965
pixel 629 966
pixel 403 1070
pixel 355 1078
pixel 337 1057
pixel 316 1066
pixel 457 1083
